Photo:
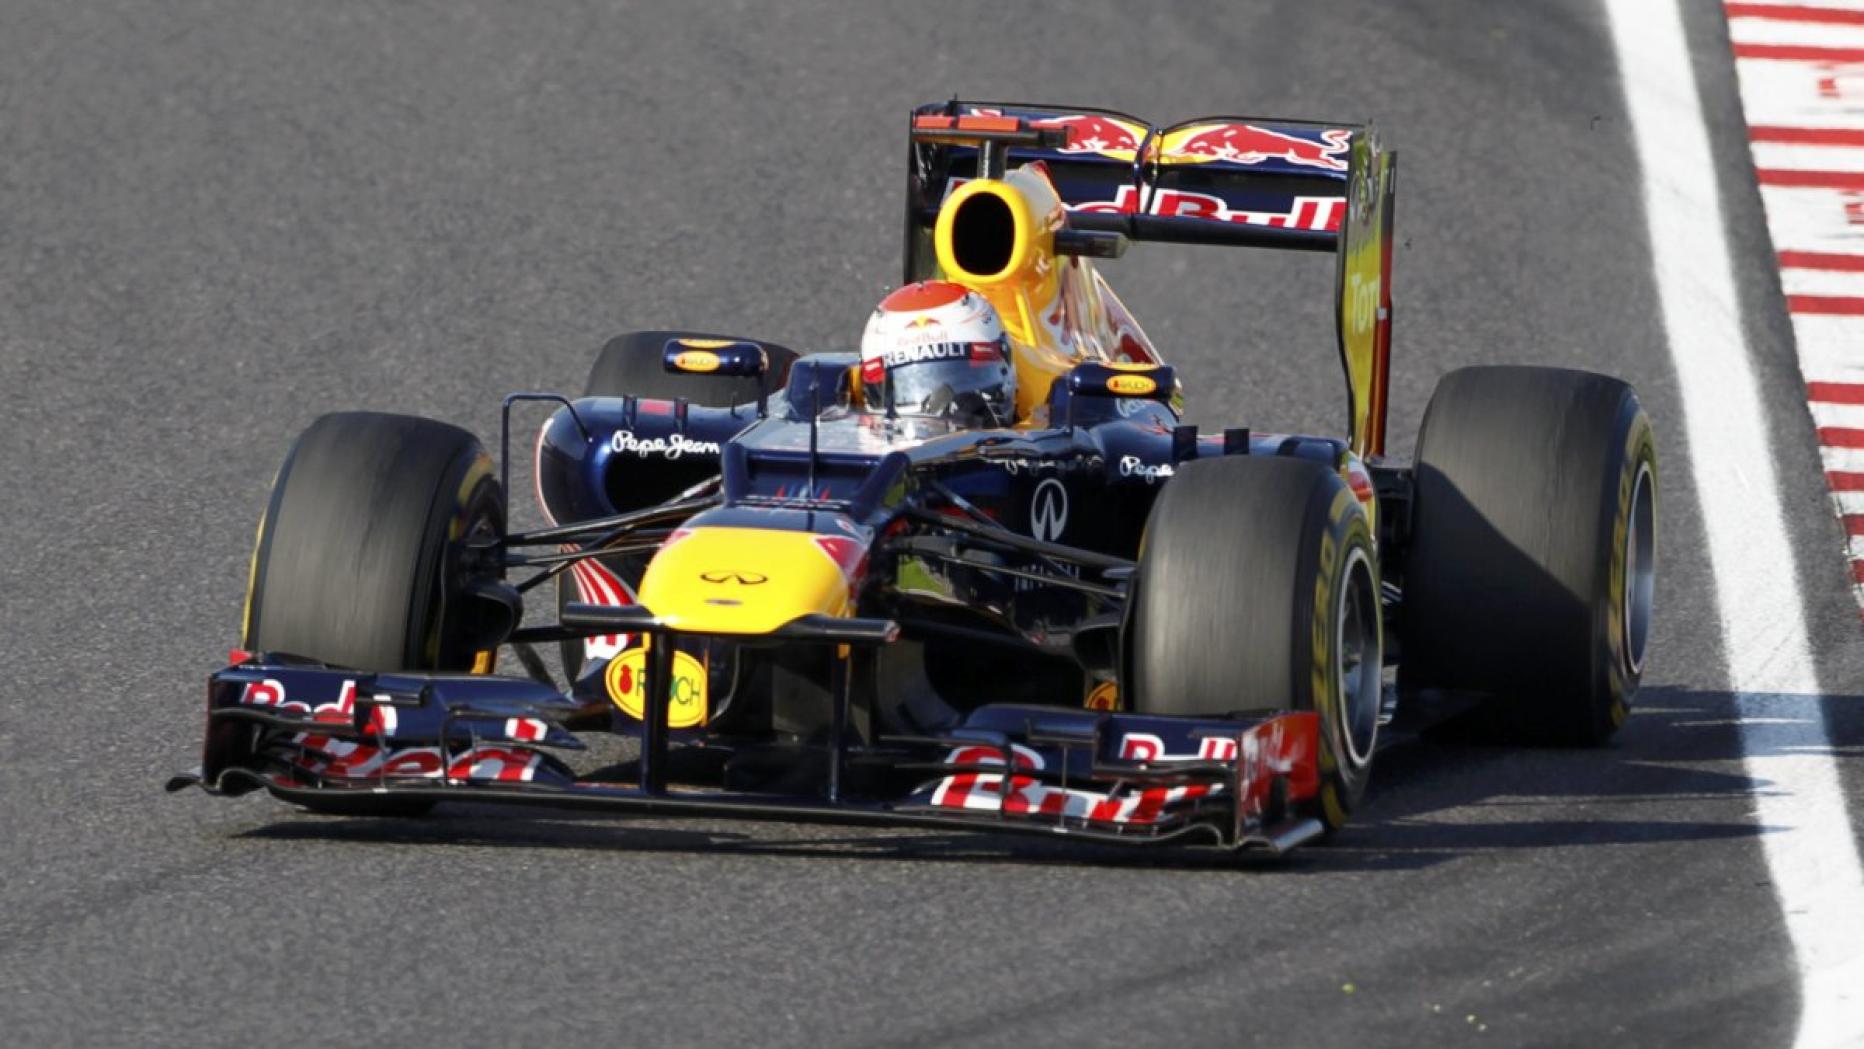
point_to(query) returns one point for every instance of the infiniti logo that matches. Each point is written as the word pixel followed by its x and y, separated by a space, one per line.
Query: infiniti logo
pixel 1048 510
pixel 740 578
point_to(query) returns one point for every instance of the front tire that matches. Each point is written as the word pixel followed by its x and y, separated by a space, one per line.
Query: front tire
pixel 1258 591
pixel 360 559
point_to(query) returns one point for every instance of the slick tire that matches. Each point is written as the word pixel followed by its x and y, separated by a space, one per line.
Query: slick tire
pixel 631 365
pixel 358 558
pixel 1258 590
pixel 1532 562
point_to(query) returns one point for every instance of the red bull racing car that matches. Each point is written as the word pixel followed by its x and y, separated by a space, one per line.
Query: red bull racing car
pixel 980 574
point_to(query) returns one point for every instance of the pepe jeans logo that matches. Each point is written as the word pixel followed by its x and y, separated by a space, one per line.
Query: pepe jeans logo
pixel 1133 466
pixel 671 447
pixel 1048 510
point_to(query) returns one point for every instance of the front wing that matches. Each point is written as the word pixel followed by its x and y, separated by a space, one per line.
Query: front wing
pixel 309 733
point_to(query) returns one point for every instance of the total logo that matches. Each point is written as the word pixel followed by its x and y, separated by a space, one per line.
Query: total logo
pixel 626 679
pixel 1362 302
pixel 669 447
pixel 1048 510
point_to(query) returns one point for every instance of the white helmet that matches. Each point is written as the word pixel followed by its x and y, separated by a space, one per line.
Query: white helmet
pixel 938 348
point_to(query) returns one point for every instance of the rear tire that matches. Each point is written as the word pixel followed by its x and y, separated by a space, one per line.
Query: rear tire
pixel 358 560
pixel 1258 591
pixel 1532 565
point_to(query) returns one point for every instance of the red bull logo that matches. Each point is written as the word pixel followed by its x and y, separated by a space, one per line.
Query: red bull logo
pixel 1091 133
pixel 1249 144
pixel 1322 213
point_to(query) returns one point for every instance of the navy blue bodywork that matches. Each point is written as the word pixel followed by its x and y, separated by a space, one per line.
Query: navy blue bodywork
pixel 1107 464
pixel 1054 517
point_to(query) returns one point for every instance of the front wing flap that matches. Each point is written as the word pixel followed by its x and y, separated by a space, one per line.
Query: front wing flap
pixel 317 724
pixel 306 732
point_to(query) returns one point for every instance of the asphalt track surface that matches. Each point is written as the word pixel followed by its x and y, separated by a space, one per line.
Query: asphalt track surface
pixel 219 219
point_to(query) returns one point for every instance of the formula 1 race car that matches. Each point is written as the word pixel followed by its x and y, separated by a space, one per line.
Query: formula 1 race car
pixel 1084 618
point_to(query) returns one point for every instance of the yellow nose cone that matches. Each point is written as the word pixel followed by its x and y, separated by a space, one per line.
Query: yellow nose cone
pixel 725 580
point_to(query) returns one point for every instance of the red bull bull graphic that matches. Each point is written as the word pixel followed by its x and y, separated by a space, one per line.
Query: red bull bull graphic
pixel 1324 149
pixel 1093 133
pixel 1096 133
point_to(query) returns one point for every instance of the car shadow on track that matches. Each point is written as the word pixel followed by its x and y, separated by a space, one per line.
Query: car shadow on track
pixel 1674 774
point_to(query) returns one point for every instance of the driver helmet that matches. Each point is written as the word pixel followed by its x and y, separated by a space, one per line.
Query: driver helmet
pixel 938 349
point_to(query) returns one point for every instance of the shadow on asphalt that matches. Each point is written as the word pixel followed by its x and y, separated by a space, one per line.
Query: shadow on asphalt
pixel 1432 802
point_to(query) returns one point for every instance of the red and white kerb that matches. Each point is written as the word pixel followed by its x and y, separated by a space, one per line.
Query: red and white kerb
pixel 1801 71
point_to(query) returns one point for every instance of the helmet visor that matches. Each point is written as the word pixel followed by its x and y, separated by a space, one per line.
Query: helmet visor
pixel 945 379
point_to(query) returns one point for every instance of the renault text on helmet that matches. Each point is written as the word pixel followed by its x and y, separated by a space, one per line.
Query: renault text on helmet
pixel 938 349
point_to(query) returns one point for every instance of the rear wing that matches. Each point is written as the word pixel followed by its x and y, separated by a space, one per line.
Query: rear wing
pixel 1238 181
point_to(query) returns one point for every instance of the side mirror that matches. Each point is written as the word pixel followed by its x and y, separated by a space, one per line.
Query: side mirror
pixel 1120 379
pixel 1155 382
pixel 722 357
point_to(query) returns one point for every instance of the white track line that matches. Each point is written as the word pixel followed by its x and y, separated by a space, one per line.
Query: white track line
pixel 1806 834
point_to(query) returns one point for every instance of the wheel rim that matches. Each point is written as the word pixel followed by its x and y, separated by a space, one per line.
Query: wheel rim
pixel 1359 659
pixel 1640 566
pixel 483 525
pixel 479 516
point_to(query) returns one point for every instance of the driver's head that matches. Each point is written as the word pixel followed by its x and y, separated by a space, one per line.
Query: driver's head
pixel 942 350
